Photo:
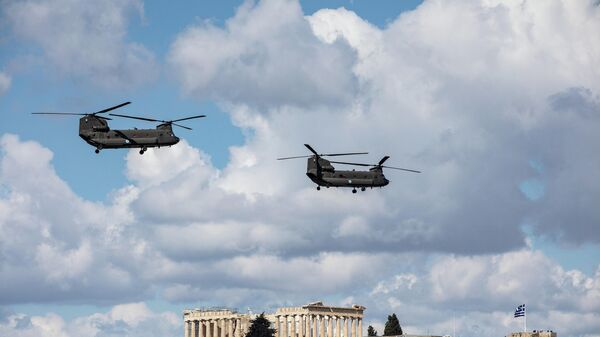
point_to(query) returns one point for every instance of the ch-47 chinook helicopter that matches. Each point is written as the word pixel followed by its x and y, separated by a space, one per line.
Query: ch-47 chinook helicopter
pixel 322 173
pixel 95 131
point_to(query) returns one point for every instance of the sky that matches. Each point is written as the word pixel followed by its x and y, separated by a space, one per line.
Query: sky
pixel 497 102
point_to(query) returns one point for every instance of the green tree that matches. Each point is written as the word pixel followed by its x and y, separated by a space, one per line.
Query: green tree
pixel 371 331
pixel 392 326
pixel 260 327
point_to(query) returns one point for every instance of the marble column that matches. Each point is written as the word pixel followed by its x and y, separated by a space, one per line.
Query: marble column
pixel 360 331
pixel 353 327
pixel 293 326
pixel 186 332
pixel 345 326
pixel 338 330
pixel 223 327
pixel 200 328
pixel 330 326
pixel 306 325
pixel 208 330
pixel 315 326
pixel 215 328
pixel 285 326
pixel 321 326
pixel 194 334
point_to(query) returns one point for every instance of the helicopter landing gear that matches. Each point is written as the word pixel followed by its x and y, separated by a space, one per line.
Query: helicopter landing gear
pixel 318 188
pixel 362 189
pixel 354 190
pixel 97 150
pixel 142 150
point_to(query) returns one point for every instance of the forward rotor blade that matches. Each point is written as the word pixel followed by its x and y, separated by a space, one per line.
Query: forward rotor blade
pixel 186 118
pixel 140 118
pixel 69 113
pixel 402 169
pixel 347 163
pixel 383 160
pixel 295 157
pixel 181 126
pixel 58 113
pixel 342 154
pixel 311 149
pixel 111 108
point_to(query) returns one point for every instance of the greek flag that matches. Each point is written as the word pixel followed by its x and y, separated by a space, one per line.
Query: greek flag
pixel 520 312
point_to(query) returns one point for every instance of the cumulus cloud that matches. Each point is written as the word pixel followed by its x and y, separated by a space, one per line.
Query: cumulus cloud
pixel 85 40
pixel 265 56
pixel 481 293
pixel 132 319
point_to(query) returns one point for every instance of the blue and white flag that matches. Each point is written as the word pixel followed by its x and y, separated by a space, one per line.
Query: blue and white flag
pixel 520 312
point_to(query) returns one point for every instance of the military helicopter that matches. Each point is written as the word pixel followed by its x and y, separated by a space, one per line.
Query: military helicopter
pixel 322 173
pixel 95 131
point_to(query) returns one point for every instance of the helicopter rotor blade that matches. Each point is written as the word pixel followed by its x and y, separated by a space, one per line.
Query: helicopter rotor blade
pixel 294 157
pixel 401 169
pixel 181 126
pixel 69 114
pixel 58 113
pixel 342 154
pixel 311 149
pixel 186 118
pixel 347 163
pixel 140 118
pixel 111 108
pixel 383 160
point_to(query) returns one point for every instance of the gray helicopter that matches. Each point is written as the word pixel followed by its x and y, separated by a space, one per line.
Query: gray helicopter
pixel 95 131
pixel 322 173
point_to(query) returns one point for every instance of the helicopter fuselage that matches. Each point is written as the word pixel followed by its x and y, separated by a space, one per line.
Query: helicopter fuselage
pixel 326 175
pixel 95 131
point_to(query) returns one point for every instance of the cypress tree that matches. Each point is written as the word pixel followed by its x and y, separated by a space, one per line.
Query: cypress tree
pixel 260 327
pixel 392 326
pixel 371 331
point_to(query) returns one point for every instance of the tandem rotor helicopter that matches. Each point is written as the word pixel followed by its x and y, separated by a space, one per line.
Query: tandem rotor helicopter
pixel 322 173
pixel 95 131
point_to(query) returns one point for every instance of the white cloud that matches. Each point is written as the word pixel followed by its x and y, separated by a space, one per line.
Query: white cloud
pixel 265 56
pixel 5 81
pixel 132 319
pixel 85 40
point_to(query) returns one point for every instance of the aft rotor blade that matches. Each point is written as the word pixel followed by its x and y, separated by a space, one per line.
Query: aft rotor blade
pixel 402 169
pixel 284 158
pixel 111 108
pixel 181 126
pixel 186 118
pixel 347 163
pixel 140 118
pixel 383 160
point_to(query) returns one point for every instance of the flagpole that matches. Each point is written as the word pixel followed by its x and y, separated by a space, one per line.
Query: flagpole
pixel 525 319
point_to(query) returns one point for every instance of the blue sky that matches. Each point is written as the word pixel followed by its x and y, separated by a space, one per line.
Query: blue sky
pixel 504 212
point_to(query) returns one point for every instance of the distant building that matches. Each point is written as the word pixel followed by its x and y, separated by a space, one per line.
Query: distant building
pixel 534 333
pixel 311 320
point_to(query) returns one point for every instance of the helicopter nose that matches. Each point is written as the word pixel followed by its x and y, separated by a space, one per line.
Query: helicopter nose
pixel 385 181
pixel 176 139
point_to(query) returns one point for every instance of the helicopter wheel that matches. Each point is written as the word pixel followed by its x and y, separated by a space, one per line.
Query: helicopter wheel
pixel 318 188
pixel 97 150
pixel 362 189
pixel 354 190
pixel 143 150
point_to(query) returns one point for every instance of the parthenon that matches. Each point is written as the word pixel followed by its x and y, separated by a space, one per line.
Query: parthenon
pixel 311 320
